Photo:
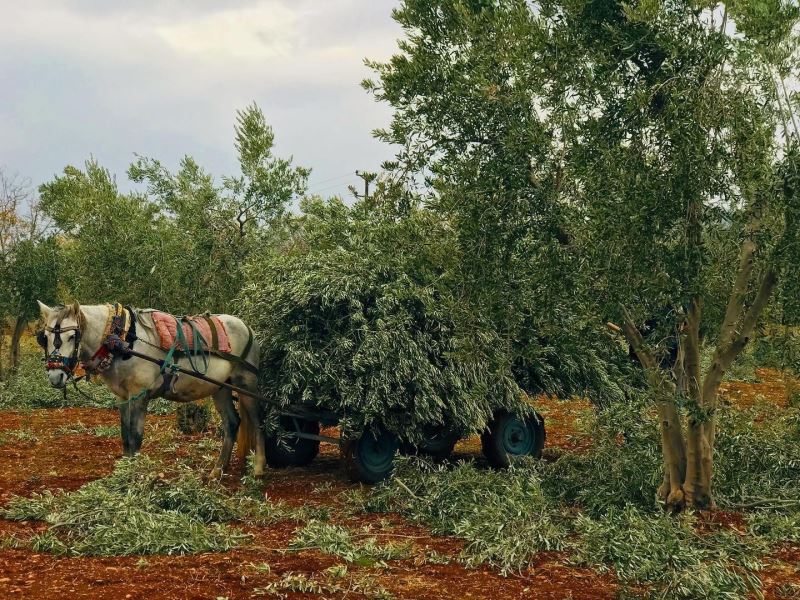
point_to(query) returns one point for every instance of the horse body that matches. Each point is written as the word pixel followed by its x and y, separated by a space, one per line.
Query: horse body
pixel 135 382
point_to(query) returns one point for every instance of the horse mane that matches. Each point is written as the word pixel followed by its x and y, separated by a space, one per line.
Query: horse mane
pixel 70 310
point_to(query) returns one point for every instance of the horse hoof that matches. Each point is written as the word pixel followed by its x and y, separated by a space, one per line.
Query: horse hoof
pixel 215 474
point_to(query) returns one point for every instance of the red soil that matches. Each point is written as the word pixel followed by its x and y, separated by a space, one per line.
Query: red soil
pixel 57 459
pixel 49 457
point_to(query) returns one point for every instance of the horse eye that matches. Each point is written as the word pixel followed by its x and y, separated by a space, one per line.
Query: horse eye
pixel 72 338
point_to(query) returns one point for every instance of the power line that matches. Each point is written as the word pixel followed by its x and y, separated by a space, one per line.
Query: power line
pixel 330 187
pixel 348 174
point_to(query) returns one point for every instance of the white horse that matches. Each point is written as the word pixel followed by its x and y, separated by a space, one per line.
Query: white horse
pixel 76 333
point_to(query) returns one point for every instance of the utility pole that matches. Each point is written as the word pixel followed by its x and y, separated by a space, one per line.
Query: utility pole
pixel 368 178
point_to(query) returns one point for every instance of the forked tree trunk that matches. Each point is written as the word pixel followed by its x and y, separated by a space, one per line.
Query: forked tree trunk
pixel 689 459
pixel 16 336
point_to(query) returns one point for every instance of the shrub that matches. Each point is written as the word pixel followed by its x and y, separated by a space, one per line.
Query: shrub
pixel 779 348
pixel 621 468
pixel 192 417
pixel 29 388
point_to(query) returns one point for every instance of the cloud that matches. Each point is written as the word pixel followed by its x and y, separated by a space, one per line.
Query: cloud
pixel 164 78
pixel 266 30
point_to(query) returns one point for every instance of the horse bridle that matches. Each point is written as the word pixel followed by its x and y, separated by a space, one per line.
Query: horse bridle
pixel 55 360
pixel 100 360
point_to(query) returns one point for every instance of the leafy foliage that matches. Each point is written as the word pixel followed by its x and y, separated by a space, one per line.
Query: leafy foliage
pixel 143 507
pixel 181 244
pixel 340 541
pixel 668 554
pixel 758 455
pixel 504 516
pixel 29 389
pixel 621 468
pixel 355 314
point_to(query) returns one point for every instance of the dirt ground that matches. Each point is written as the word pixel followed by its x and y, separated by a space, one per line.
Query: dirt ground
pixel 50 453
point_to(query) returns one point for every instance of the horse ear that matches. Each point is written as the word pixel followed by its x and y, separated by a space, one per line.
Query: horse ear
pixel 44 310
pixel 76 309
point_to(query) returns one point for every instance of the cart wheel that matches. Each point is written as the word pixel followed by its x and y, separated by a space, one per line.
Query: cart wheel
pixel 293 452
pixel 370 458
pixel 509 435
pixel 437 446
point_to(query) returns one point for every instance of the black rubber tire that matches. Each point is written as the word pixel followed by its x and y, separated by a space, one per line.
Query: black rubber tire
pixel 499 442
pixel 293 452
pixel 370 458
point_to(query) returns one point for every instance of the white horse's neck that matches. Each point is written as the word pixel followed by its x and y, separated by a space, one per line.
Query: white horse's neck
pixel 96 317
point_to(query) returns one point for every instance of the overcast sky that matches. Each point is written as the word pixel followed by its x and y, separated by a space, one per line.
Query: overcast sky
pixel 163 78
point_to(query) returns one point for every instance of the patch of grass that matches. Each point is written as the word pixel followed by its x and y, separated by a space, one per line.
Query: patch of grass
pixel 10 542
pixel 18 435
pixel 342 542
pixel 504 516
pixel 143 507
pixel 333 580
pixel 80 429
pixel 788 591
pixel 776 527
pixel 757 456
pixel 667 554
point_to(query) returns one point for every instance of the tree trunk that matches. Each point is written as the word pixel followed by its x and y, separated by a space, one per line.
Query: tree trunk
pixel 16 336
pixel 699 460
pixel 673 449
pixel 2 346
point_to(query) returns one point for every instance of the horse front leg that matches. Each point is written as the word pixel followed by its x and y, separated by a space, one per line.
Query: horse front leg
pixel 139 408
pixel 132 417
pixel 125 427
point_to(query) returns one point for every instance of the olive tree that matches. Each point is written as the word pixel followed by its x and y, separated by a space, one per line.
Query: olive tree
pixel 180 243
pixel 213 226
pixel 611 161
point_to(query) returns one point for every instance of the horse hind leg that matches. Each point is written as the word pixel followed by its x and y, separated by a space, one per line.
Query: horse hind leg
pixel 251 434
pixel 223 402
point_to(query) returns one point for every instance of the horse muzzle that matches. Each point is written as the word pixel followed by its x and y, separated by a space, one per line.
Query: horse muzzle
pixel 58 378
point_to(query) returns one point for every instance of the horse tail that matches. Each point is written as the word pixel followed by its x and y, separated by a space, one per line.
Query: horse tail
pixel 246 437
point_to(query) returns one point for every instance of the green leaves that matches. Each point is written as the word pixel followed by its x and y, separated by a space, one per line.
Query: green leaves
pixel 180 244
pixel 355 313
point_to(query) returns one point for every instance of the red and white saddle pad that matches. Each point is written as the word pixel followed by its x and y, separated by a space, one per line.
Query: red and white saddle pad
pixel 210 327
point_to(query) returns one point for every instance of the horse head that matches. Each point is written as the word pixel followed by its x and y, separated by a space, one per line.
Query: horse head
pixel 60 339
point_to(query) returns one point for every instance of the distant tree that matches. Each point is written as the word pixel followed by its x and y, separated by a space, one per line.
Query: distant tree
pixel 111 242
pixel 179 245
pixel 28 261
pixel 214 227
